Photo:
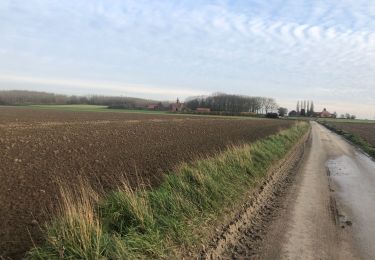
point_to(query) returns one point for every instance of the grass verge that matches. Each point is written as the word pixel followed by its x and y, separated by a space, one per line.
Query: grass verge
pixel 161 222
pixel 355 139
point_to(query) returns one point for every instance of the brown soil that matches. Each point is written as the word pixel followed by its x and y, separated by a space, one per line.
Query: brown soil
pixel 37 147
pixel 364 130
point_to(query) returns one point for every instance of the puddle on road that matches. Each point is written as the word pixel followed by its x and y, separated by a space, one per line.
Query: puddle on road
pixel 353 179
pixel 342 166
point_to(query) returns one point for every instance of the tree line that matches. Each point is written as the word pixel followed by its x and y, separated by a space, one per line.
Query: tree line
pixel 218 102
pixel 305 108
pixel 233 103
pixel 24 97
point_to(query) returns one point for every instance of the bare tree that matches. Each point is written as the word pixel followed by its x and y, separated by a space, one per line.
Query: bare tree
pixel 282 111
pixel 298 107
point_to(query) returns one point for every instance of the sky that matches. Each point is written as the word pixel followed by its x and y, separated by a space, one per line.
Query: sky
pixel 286 49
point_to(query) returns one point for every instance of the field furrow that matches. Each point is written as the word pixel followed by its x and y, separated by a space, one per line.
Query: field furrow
pixel 40 148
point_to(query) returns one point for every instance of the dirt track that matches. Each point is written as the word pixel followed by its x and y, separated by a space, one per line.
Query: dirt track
pixel 325 210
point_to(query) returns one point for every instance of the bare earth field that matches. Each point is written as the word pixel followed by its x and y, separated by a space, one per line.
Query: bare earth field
pixel 39 147
pixel 364 130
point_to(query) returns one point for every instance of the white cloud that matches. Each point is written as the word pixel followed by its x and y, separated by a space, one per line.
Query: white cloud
pixel 233 46
pixel 109 86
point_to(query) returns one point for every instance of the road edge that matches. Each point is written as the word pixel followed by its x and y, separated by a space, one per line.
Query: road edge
pixel 259 203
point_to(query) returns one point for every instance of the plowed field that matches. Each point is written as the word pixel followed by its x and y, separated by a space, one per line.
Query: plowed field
pixel 39 146
pixel 364 130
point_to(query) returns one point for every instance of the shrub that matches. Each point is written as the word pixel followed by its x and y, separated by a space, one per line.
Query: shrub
pixel 272 115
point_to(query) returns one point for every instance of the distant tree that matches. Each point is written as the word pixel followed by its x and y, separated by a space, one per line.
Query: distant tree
pixel 312 108
pixel 342 116
pixel 353 117
pixel 303 112
pixel 298 107
pixel 256 104
pixel 308 107
pixel 293 113
pixel 282 111
pixel 274 105
pixel 269 105
pixel 347 116
pixel 334 115
pixel 272 115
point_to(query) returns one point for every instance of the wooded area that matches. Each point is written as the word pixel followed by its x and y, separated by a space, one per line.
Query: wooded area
pixel 23 97
pixel 233 103
pixel 215 103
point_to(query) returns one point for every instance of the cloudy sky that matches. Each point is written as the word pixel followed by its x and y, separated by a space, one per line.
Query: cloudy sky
pixel 322 50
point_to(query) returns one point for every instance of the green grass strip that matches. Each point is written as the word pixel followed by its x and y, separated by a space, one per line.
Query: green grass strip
pixel 161 222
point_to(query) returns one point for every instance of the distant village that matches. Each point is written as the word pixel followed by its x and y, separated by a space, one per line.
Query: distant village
pixel 306 109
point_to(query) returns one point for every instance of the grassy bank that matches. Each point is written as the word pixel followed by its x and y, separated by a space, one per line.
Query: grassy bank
pixel 355 139
pixel 165 221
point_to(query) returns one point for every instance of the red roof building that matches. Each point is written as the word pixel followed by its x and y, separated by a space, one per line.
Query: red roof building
pixel 203 109
pixel 325 114
pixel 177 107
pixel 153 106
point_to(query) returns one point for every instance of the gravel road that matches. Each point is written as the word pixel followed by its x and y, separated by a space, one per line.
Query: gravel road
pixel 328 212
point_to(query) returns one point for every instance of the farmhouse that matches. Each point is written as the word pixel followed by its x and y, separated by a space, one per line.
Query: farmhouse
pixel 324 114
pixel 177 107
pixel 153 106
pixel 203 109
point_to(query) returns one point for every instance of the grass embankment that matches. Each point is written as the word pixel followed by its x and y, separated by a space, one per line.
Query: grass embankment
pixel 167 220
pixel 355 139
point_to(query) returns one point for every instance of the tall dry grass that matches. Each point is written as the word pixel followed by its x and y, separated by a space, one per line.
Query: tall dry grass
pixel 76 231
